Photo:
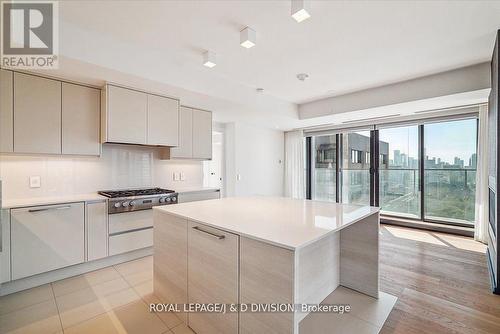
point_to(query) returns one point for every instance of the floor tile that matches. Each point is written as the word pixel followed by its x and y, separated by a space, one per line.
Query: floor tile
pixel 135 266
pixel 80 282
pixel 139 277
pixel 132 318
pixel 41 318
pixel 182 329
pixel 169 318
pixel 76 307
pixel 331 323
pixel 144 289
pixel 19 300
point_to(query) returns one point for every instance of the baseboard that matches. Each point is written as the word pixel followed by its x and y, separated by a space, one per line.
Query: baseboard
pixel 458 230
pixel 59 274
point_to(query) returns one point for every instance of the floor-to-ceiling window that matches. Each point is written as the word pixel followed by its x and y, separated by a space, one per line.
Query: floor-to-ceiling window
pixel 450 157
pixel 399 171
pixel 356 167
pixel 424 170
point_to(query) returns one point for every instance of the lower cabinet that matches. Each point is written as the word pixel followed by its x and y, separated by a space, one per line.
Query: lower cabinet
pixel 97 230
pixel 212 277
pixel 130 231
pixel 4 245
pixel 129 241
pixel 46 238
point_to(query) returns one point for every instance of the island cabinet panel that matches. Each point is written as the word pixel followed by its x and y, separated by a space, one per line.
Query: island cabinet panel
pixel 170 270
pixel 266 277
pixel 212 277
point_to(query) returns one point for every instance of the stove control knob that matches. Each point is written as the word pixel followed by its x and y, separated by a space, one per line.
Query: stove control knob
pixel 162 200
pixel 125 204
pixel 168 199
pixel 174 199
pixel 117 205
pixel 132 203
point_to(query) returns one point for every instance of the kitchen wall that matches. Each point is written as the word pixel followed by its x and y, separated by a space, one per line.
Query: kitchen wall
pixel 118 167
pixel 254 160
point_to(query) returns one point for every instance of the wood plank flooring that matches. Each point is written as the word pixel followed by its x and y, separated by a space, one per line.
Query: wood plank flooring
pixel 441 281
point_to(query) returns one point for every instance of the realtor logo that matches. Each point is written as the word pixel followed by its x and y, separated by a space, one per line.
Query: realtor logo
pixel 29 33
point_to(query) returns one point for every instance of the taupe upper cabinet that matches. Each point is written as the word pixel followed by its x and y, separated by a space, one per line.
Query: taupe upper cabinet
pixel 163 121
pixel 195 128
pixel 6 111
pixel 126 115
pixel 136 117
pixel 185 147
pixel 37 114
pixel 80 120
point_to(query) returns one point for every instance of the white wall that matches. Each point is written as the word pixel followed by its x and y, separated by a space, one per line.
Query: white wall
pixel 119 167
pixel 257 155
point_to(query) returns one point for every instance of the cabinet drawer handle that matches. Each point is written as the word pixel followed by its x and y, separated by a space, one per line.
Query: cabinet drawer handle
pixel 218 236
pixel 51 208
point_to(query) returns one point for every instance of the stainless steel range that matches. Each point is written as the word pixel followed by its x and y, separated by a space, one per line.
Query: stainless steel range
pixel 138 199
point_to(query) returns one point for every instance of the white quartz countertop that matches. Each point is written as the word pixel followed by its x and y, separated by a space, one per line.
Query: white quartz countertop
pixel 285 222
pixel 185 190
pixel 35 201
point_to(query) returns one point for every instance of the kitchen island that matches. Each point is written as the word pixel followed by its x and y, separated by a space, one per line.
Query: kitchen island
pixel 261 252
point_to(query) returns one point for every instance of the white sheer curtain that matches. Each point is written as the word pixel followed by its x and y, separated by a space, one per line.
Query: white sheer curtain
pixel 294 164
pixel 481 215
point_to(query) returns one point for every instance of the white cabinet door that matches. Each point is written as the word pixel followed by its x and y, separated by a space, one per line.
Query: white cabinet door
pixel 212 277
pixel 6 111
pixel 80 120
pixel 37 114
pixel 202 134
pixel 129 241
pixel 5 245
pixel 97 231
pixel 185 148
pixel 126 115
pixel 163 121
pixel 46 238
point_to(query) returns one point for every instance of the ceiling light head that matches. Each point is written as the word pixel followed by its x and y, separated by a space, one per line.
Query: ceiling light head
pixel 300 10
pixel 248 38
pixel 209 59
pixel 302 76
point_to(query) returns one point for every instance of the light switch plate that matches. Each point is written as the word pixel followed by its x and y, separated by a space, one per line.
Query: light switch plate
pixel 183 176
pixel 176 176
pixel 35 181
pixel 238 177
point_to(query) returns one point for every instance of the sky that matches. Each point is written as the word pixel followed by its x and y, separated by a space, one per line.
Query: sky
pixel 442 140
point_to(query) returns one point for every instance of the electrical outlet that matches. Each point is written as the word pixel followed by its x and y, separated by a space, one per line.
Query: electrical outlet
pixel 183 176
pixel 35 181
pixel 176 176
pixel 238 177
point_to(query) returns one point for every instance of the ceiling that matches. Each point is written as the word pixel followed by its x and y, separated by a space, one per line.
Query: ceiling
pixel 344 46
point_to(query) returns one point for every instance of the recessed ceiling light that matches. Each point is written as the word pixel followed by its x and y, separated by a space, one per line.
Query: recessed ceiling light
pixel 300 10
pixel 302 76
pixel 209 59
pixel 248 38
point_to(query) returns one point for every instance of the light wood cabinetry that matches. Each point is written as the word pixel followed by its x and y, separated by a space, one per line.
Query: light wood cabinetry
pixel 97 231
pixel 195 138
pixel 126 112
pixel 6 111
pixel 46 238
pixel 80 120
pixel 163 121
pixel 212 277
pixel 202 134
pixel 170 259
pixel 185 147
pixel 37 114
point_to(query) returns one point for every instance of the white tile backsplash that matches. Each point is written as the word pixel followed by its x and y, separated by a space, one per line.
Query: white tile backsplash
pixel 119 167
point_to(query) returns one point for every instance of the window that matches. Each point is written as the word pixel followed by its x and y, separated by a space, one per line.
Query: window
pixel 356 156
pixel 324 168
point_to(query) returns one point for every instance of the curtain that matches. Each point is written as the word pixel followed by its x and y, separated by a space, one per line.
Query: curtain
pixel 294 164
pixel 481 214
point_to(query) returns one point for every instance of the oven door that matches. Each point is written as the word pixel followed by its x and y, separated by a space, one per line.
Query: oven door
pixel 130 231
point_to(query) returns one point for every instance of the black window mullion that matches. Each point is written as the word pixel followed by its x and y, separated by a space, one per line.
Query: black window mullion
pixel 308 168
pixel 374 168
pixel 421 151
pixel 338 168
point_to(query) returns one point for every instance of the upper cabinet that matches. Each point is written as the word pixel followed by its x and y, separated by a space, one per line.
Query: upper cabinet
pixel 37 114
pixel 80 120
pixel 6 111
pixel 136 117
pixel 195 128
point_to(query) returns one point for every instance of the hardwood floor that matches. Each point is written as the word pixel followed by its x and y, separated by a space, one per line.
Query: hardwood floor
pixel 441 281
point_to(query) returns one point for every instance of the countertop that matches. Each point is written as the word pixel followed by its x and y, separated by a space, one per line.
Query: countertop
pixel 285 222
pixel 24 202
pixel 186 190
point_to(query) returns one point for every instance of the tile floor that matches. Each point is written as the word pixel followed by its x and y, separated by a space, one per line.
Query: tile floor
pixel 115 300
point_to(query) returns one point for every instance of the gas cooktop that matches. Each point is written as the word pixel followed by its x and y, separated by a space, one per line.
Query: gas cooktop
pixel 134 192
